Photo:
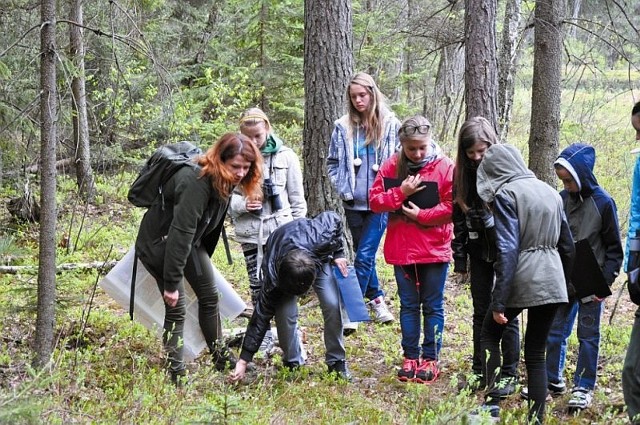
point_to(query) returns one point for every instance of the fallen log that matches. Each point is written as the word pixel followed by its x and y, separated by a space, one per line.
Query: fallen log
pixel 61 267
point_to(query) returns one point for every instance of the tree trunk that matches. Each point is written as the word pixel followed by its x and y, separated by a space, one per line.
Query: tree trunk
pixel 577 4
pixel 264 19
pixel 544 133
pixel 45 321
pixel 443 106
pixel 328 64
pixel 84 175
pixel 507 61
pixel 481 73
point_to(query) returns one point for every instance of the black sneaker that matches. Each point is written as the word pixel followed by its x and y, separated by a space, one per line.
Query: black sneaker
pixel 555 390
pixel 490 410
pixel 178 378
pixel 339 370
pixel 504 388
pixel 222 357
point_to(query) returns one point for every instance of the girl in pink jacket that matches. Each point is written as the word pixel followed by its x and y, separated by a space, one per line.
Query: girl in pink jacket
pixel 418 241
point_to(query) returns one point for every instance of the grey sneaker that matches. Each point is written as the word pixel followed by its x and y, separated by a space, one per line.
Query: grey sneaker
pixel 580 399
pixel 267 344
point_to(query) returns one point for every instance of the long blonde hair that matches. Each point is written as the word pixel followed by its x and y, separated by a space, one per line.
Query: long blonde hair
pixel 373 118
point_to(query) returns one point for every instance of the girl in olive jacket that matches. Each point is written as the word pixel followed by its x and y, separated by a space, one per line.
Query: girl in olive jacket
pixel 178 235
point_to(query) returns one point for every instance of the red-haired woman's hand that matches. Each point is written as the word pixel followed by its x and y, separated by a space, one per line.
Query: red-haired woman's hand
pixel 499 318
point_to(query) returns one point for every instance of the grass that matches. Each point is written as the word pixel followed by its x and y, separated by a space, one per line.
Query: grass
pixel 110 370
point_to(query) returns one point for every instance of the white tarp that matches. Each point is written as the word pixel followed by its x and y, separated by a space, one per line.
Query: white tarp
pixel 149 306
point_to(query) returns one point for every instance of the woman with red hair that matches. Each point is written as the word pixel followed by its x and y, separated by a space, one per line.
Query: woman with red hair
pixel 178 236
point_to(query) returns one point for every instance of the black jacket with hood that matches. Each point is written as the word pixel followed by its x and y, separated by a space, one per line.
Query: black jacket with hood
pixel 321 236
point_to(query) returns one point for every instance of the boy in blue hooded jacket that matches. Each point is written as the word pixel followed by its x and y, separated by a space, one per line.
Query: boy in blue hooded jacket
pixel 592 215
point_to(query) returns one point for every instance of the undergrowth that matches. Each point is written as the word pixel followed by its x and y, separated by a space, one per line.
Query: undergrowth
pixel 108 369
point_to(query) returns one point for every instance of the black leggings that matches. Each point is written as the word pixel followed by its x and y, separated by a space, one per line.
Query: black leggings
pixel 199 273
pixel 535 341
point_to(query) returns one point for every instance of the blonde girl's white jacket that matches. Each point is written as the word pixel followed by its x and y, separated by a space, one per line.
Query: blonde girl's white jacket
pixel 283 167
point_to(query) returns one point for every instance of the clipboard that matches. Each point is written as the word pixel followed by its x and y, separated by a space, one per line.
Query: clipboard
pixel 587 276
pixel 351 295
pixel 428 197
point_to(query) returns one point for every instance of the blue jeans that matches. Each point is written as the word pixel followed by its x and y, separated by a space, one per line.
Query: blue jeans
pixel 589 315
pixel 366 229
pixel 286 317
pixel 428 296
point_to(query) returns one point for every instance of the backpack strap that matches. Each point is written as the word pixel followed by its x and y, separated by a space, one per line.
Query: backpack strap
pixel 225 241
pixel 133 284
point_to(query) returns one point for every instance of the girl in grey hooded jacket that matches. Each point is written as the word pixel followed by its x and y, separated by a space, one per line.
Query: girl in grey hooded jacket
pixel 534 258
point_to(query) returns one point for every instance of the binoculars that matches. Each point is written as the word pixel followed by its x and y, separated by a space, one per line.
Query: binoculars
pixel 269 190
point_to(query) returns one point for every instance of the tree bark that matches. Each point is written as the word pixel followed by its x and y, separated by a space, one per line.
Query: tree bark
pixel 84 174
pixel 328 64
pixel 45 321
pixel 481 72
pixel 444 105
pixel 507 61
pixel 544 133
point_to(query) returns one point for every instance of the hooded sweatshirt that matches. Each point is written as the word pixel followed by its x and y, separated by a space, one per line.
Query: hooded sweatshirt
pixel 591 212
pixel 533 240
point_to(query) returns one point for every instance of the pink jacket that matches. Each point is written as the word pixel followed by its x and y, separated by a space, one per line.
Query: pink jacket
pixel 429 239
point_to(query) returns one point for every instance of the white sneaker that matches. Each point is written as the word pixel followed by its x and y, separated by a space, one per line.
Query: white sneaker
pixel 380 310
pixel 580 399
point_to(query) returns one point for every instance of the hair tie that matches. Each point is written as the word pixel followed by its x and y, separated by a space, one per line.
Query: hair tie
pixel 254 117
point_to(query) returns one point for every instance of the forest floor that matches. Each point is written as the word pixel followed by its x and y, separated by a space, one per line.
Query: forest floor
pixel 107 369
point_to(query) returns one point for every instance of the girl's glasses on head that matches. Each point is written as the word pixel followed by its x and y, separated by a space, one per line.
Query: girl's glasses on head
pixel 410 130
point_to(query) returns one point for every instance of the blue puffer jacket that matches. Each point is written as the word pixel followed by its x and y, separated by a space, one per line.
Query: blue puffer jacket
pixel 591 212
pixel 634 210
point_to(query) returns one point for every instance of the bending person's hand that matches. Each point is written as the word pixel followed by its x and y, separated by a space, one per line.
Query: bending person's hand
pixel 239 372
pixel 342 265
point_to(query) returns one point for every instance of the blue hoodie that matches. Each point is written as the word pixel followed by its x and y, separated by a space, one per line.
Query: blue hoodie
pixel 591 212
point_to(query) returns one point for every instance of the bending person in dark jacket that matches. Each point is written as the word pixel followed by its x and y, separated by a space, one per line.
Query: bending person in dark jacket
pixel 534 258
pixel 178 235
pixel 298 255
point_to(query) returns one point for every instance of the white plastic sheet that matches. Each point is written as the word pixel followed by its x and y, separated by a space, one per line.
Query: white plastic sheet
pixel 149 306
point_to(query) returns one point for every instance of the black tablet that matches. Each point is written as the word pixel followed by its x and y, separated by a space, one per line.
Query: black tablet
pixel 428 197
pixel 587 276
